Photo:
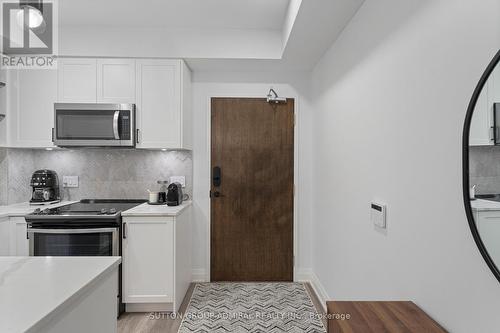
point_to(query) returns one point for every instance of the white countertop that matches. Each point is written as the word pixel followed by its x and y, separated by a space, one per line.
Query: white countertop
pixel 156 210
pixel 483 205
pixel 33 289
pixel 21 209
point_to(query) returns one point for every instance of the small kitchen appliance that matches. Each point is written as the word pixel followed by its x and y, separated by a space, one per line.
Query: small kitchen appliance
pixel 94 125
pixel 45 185
pixel 174 194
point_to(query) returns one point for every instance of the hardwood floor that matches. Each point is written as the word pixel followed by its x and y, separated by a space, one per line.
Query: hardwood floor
pixel 156 323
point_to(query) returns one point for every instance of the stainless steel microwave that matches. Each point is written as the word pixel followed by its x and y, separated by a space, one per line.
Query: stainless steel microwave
pixel 94 125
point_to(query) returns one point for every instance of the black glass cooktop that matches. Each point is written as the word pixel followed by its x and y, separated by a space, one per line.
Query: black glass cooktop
pixel 490 197
pixel 90 207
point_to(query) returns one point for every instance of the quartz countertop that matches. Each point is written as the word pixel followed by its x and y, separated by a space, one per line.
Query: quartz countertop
pixel 156 210
pixel 484 205
pixel 21 209
pixel 34 289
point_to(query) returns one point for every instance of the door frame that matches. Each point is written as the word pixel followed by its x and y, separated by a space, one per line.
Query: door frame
pixel 296 171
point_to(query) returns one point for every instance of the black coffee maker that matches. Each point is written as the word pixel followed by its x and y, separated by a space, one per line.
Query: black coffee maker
pixel 174 194
pixel 45 185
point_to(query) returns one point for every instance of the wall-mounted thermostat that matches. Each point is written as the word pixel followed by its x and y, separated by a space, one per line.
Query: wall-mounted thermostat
pixel 378 214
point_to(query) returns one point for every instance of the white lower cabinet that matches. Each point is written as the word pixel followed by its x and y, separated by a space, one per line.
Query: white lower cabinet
pixel 156 267
pixel 488 225
pixel 4 236
pixel 148 260
pixel 19 242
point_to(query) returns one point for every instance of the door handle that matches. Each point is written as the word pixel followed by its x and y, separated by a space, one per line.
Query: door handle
pixel 215 194
pixel 124 231
pixel 217 176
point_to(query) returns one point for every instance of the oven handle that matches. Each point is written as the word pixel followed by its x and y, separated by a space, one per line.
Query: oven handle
pixel 71 231
pixel 115 125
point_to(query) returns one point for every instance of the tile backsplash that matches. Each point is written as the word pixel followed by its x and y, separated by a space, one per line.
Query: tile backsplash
pixel 484 169
pixel 103 173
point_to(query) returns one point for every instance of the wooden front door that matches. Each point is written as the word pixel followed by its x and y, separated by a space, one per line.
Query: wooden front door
pixel 252 147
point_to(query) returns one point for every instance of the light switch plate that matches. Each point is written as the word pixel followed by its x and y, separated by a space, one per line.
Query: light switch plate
pixel 378 214
pixel 70 181
pixel 178 179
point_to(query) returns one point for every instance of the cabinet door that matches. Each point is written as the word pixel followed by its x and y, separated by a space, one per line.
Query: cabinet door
pixel 32 107
pixel 115 81
pixel 77 80
pixel 4 236
pixel 488 225
pixel 159 103
pixel 481 128
pixel 148 268
pixel 19 243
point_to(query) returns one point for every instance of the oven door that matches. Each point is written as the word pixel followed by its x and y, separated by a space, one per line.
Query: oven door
pixel 74 242
pixel 94 125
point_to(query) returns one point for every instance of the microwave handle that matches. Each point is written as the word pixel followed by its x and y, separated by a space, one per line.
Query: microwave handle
pixel 115 125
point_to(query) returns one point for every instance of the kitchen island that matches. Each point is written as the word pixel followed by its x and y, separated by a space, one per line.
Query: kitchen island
pixel 58 294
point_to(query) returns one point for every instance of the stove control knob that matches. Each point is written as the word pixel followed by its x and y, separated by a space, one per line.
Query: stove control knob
pixel 112 211
pixel 46 211
pixel 104 211
pixel 37 211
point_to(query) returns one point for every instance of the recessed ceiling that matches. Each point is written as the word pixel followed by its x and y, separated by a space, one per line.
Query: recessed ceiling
pixel 175 14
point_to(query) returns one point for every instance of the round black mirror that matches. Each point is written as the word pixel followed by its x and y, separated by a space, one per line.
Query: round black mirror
pixel 481 165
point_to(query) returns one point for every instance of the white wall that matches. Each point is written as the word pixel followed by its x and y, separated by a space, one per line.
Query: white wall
pixel 390 101
pixel 233 84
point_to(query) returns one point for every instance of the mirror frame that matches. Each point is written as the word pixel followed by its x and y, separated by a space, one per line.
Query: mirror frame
pixel 465 165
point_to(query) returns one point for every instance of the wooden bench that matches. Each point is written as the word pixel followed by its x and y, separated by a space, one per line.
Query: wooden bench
pixel 379 317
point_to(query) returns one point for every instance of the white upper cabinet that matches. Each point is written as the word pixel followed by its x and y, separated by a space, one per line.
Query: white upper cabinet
pixel 77 80
pixel 482 124
pixel 160 88
pixel 32 94
pixel 115 81
pixel 163 109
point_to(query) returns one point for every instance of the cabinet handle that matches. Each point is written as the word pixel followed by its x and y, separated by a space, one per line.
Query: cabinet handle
pixel 124 231
pixel 52 134
pixel 137 135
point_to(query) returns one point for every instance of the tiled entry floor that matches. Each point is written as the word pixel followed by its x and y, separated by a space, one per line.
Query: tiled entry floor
pixel 148 323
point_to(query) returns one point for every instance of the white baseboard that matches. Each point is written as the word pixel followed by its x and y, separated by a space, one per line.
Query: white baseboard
pixel 303 275
pixel 149 307
pixel 319 289
pixel 307 275
pixel 199 275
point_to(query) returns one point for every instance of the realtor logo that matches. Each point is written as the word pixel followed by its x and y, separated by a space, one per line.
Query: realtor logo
pixel 28 33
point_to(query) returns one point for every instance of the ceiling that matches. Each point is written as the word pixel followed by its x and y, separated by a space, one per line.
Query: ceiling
pixel 212 35
pixel 175 14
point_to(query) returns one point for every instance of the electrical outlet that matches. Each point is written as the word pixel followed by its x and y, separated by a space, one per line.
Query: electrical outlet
pixel 70 181
pixel 178 179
